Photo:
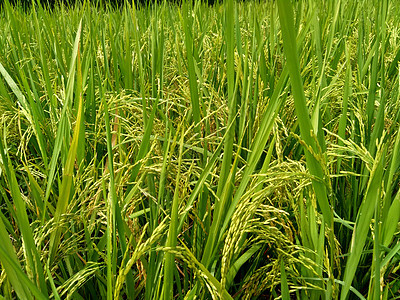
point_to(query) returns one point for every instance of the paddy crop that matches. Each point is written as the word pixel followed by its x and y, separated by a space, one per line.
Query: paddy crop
pixel 241 150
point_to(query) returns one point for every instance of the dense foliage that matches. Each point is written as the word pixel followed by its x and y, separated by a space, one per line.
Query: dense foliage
pixel 235 151
pixel 101 4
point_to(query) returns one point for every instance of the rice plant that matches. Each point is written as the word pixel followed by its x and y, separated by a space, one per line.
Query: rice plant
pixel 244 150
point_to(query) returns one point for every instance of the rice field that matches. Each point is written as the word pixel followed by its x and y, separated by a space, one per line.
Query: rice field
pixel 245 150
